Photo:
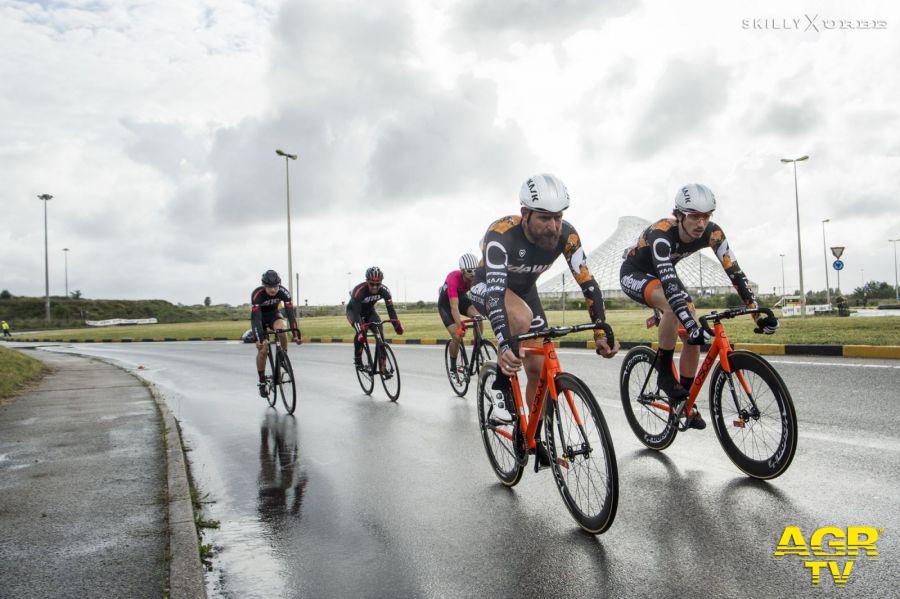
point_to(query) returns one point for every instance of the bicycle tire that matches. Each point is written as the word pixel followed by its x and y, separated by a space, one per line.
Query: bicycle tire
pixel 366 374
pixel 271 394
pixel 503 442
pixel 286 384
pixel 393 371
pixel 487 352
pixel 653 426
pixel 459 385
pixel 587 482
pixel 774 438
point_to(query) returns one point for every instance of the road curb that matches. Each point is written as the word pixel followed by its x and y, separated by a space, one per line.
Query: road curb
pixel 890 352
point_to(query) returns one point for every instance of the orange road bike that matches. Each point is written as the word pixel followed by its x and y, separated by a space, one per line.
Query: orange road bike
pixel 280 376
pixel 578 443
pixel 379 362
pixel 466 369
pixel 752 411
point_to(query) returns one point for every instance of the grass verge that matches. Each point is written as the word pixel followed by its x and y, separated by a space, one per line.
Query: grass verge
pixel 16 371
pixel 629 325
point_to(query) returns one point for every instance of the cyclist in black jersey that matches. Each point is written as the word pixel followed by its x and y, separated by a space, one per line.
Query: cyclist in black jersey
pixel 264 314
pixel 648 276
pixel 361 308
pixel 516 250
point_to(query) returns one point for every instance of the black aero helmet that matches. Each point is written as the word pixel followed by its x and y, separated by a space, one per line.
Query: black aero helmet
pixel 270 278
pixel 373 273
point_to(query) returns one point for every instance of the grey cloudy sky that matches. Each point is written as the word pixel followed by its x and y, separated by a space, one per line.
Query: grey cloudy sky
pixel 154 125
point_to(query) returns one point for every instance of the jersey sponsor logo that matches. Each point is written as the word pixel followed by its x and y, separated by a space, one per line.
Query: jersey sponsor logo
pixel 672 288
pixel 371 299
pixel 530 268
pixel 493 302
pixel 662 250
pixel 522 253
pixel 490 260
pixel 496 280
pixel 630 282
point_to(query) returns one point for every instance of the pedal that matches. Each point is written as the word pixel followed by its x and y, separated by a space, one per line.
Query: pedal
pixel 739 424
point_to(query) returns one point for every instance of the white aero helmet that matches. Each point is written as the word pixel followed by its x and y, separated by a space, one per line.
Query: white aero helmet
pixel 695 197
pixel 544 193
pixel 468 262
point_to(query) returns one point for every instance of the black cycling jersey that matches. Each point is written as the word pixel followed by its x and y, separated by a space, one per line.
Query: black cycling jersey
pixel 264 306
pixel 362 302
pixel 658 250
pixel 511 261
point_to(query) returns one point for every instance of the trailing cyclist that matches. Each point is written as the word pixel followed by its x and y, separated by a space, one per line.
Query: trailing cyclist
pixel 266 315
pixel 516 250
pixel 361 308
pixel 648 276
pixel 453 302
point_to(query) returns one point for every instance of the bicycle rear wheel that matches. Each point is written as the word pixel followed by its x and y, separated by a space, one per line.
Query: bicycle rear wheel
pixel 365 373
pixel 459 379
pixel 582 455
pixel 389 371
pixel 503 441
pixel 646 408
pixel 271 393
pixel 286 384
pixel 761 440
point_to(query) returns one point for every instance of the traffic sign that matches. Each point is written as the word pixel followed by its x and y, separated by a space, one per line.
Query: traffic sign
pixel 837 251
pixel 838 265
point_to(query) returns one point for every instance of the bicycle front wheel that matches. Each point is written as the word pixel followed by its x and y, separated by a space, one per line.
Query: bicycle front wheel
pixel 286 385
pixel 271 389
pixel 582 455
pixel 389 371
pixel 758 430
pixel 365 373
pixel 646 408
pixel 459 376
pixel 487 352
pixel 503 441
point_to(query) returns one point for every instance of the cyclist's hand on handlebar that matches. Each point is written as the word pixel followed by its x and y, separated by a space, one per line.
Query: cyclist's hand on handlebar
pixel 766 324
pixel 297 338
pixel 698 336
pixel 601 340
pixel 509 362
pixel 461 331
pixel 398 328
pixel 360 338
pixel 259 344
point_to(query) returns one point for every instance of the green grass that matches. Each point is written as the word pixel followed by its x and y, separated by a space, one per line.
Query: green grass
pixel 628 325
pixel 16 371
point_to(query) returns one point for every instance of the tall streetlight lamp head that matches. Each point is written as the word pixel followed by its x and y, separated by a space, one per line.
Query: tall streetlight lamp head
pixel 826 220
pixel 286 155
pixel 45 197
pixel 801 159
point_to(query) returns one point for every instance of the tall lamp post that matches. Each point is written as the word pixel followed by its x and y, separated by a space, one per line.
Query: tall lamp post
pixel 783 290
pixel 287 183
pixel 825 253
pixel 66 254
pixel 46 197
pixel 799 247
pixel 896 288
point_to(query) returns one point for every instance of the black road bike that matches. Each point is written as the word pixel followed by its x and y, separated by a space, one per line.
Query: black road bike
pixel 380 361
pixel 467 367
pixel 280 379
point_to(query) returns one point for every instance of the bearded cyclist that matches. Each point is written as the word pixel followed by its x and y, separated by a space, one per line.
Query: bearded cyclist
pixel 265 315
pixel 361 308
pixel 453 302
pixel 516 250
pixel 648 276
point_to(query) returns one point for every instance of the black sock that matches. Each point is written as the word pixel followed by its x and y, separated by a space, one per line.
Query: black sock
pixel 452 362
pixel 664 360
pixel 262 376
pixel 687 381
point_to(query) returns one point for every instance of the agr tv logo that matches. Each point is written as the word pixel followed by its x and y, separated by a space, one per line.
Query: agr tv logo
pixel 836 550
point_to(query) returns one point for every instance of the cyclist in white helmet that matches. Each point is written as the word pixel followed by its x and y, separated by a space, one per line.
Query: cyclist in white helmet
pixel 648 276
pixel 453 302
pixel 516 250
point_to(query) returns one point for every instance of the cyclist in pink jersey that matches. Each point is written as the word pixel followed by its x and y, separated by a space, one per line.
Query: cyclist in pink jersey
pixel 454 304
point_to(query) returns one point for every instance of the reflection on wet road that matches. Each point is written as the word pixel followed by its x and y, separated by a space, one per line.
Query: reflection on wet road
pixel 361 496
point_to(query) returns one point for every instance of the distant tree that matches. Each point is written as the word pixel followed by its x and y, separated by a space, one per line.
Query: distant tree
pixel 76 294
pixel 207 302
pixel 5 294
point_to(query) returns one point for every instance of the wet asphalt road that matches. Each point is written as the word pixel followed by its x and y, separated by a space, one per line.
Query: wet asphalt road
pixel 358 496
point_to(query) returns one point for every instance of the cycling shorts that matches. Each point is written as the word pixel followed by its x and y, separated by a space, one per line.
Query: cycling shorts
pixel 639 285
pixel 531 297
pixel 444 308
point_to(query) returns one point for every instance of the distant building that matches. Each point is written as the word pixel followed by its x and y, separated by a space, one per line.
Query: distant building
pixel 696 271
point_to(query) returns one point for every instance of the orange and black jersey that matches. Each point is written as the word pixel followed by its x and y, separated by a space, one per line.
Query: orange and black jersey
pixel 658 250
pixel 264 307
pixel 511 261
pixel 362 302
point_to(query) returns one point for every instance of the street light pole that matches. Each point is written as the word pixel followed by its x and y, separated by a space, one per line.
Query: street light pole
pixel 287 186
pixel 783 290
pixel 66 254
pixel 799 247
pixel 896 288
pixel 825 253
pixel 46 197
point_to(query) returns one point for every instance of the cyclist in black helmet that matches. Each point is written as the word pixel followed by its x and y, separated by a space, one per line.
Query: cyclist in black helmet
pixel 265 314
pixel 361 308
